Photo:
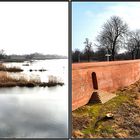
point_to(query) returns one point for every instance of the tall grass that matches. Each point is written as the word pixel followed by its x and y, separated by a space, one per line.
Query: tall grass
pixel 53 81
pixel 7 81
pixel 11 69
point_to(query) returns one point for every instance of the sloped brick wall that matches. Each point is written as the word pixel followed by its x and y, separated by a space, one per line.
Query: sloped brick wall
pixel 110 76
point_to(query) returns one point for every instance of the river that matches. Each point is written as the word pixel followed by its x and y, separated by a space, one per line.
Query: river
pixel 36 112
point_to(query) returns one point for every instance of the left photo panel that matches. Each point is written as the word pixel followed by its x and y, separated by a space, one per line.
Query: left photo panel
pixel 33 69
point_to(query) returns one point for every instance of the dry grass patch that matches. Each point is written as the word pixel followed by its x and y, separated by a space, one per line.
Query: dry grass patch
pixel 11 69
pixel 7 81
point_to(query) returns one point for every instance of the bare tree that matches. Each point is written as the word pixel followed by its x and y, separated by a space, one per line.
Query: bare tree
pixel 76 55
pixel 88 48
pixel 130 45
pixel 112 35
pixel 133 43
pixel 2 54
pixel 131 48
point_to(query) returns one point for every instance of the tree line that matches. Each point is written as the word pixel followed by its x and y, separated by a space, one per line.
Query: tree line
pixel 113 37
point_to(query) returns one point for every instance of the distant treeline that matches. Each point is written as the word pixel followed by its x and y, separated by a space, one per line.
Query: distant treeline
pixel 81 56
pixel 25 57
pixel 114 37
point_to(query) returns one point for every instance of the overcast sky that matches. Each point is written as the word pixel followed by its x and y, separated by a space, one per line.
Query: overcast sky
pixel 27 27
pixel 88 18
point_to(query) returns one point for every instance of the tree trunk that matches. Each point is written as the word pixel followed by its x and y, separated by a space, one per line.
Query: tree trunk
pixel 88 57
pixel 132 55
pixel 113 54
pixel 137 53
pixel 113 49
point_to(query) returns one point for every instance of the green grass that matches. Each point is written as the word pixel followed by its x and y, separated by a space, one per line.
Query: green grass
pixel 96 111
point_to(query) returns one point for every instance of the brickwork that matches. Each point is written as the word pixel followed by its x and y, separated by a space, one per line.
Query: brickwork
pixel 109 77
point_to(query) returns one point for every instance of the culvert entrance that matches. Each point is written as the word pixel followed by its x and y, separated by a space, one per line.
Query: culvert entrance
pixel 99 96
pixel 94 97
pixel 94 81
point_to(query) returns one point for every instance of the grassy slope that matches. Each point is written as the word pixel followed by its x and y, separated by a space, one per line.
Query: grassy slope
pixel 85 118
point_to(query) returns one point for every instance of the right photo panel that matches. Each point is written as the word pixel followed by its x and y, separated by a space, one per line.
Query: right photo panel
pixel 105 70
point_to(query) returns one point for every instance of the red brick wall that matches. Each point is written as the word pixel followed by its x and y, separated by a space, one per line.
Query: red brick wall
pixel 110 77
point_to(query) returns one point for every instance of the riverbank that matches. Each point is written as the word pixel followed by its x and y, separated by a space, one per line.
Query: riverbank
pixel 88 123
pixel 7 81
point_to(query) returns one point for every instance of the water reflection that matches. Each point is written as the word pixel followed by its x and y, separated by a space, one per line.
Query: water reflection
pixel 34 112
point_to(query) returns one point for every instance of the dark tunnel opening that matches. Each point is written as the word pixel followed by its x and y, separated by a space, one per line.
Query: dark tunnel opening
pixel 94 81
pixel 94 97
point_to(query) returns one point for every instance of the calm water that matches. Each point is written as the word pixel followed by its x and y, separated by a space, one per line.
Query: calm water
pixel 36 112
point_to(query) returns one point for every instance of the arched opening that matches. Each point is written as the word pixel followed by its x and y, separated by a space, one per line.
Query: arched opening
pixel 94 97
pixel 94 81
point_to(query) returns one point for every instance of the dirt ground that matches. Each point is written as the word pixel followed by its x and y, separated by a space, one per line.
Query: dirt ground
pixel 124 124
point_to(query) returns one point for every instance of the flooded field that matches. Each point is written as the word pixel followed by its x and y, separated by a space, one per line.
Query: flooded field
pixel 36 112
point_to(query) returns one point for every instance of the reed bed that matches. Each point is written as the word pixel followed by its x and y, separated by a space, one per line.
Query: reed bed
pixel 7 81
pixel 9 69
